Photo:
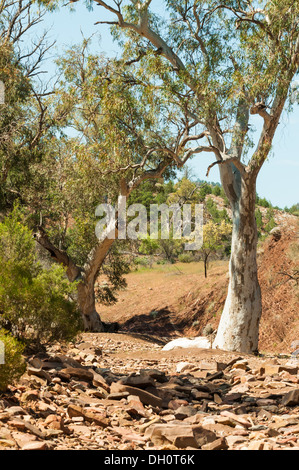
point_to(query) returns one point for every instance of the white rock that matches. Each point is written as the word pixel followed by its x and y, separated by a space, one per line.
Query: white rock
pixel 293 362
pixel 207 420
pixel 200 342
pixel 181 366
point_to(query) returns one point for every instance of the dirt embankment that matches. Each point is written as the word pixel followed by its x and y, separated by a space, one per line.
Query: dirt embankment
pixel 175 301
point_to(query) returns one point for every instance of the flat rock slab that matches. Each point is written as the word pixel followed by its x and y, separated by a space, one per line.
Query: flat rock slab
pixel 145 397
pixel 180 435
pixel 77 373
pixel 291 398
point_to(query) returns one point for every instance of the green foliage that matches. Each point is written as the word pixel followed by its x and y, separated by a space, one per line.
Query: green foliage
pixel 171 248
pixel 216 190
pixel 149 246
pixel 270 220
pixel 34 302
pixel 224 197
pixel 216 236
pixel 80 238
pixel 19 119
pixel 294 209
pixel 184 192
pixel 113 270
pixel 14 365
pixel 142 261
pixel 204 190
pixel 151 192
pixel 216 215
pixel 263 202
pixel 116 120
pixel 145 194
pixel 185 258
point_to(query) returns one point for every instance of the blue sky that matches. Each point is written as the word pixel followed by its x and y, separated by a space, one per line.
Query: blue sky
pixel 278 180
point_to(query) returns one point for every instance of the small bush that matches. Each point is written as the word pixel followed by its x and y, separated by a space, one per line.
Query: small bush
pixel 186 258
pixel 142 261
pixel 263 202
pixel 216 190
pixel 294 210
pixel 270 220
pixel 14 365
pixel 35 303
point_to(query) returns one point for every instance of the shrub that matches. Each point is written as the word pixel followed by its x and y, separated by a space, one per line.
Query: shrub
pixel 294 210
pixel 186 257
pixel 204 190
pixel 35 303
pixel 263 202
pixel 113 268
pixel 14 365
pixel 161 261
pixel 216 215
pixel 149 246
pixel 270 220
pixel 216 190
pixel 142 261
pixel 259 221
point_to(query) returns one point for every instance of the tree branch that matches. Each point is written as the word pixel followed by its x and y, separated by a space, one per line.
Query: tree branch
pixel 59 256
pixel 239 165
pixel 99 253
pixel 260 108
pixel 144 30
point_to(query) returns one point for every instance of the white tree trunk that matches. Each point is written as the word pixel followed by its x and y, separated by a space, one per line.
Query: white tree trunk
pixel 239 325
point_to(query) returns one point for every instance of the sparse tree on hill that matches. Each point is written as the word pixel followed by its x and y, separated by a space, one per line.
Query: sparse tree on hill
pixel 215 235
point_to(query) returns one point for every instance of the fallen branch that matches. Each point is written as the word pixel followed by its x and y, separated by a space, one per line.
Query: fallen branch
pixel 292 277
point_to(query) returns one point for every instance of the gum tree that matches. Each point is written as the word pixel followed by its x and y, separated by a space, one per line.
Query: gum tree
pixel 122 138
pixel 221 63
pixel 21 111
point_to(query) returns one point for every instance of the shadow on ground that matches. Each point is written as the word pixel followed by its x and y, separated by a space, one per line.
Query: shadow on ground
pixel 157 323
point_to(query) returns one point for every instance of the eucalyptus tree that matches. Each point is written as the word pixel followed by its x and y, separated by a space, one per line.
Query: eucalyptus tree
pixel 221 63
pixel 123 133
pixel 21 109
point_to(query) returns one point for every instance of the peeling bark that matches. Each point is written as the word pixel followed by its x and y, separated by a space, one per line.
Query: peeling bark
pixel 87 306
pixel 239 325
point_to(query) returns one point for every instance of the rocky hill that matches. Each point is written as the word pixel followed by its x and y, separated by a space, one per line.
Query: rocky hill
pixel 281 218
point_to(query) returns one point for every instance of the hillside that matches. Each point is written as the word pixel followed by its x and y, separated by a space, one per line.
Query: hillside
pixel 177 300
pixel 280 217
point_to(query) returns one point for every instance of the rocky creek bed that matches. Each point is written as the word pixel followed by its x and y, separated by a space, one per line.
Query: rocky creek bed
pixel 119 392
